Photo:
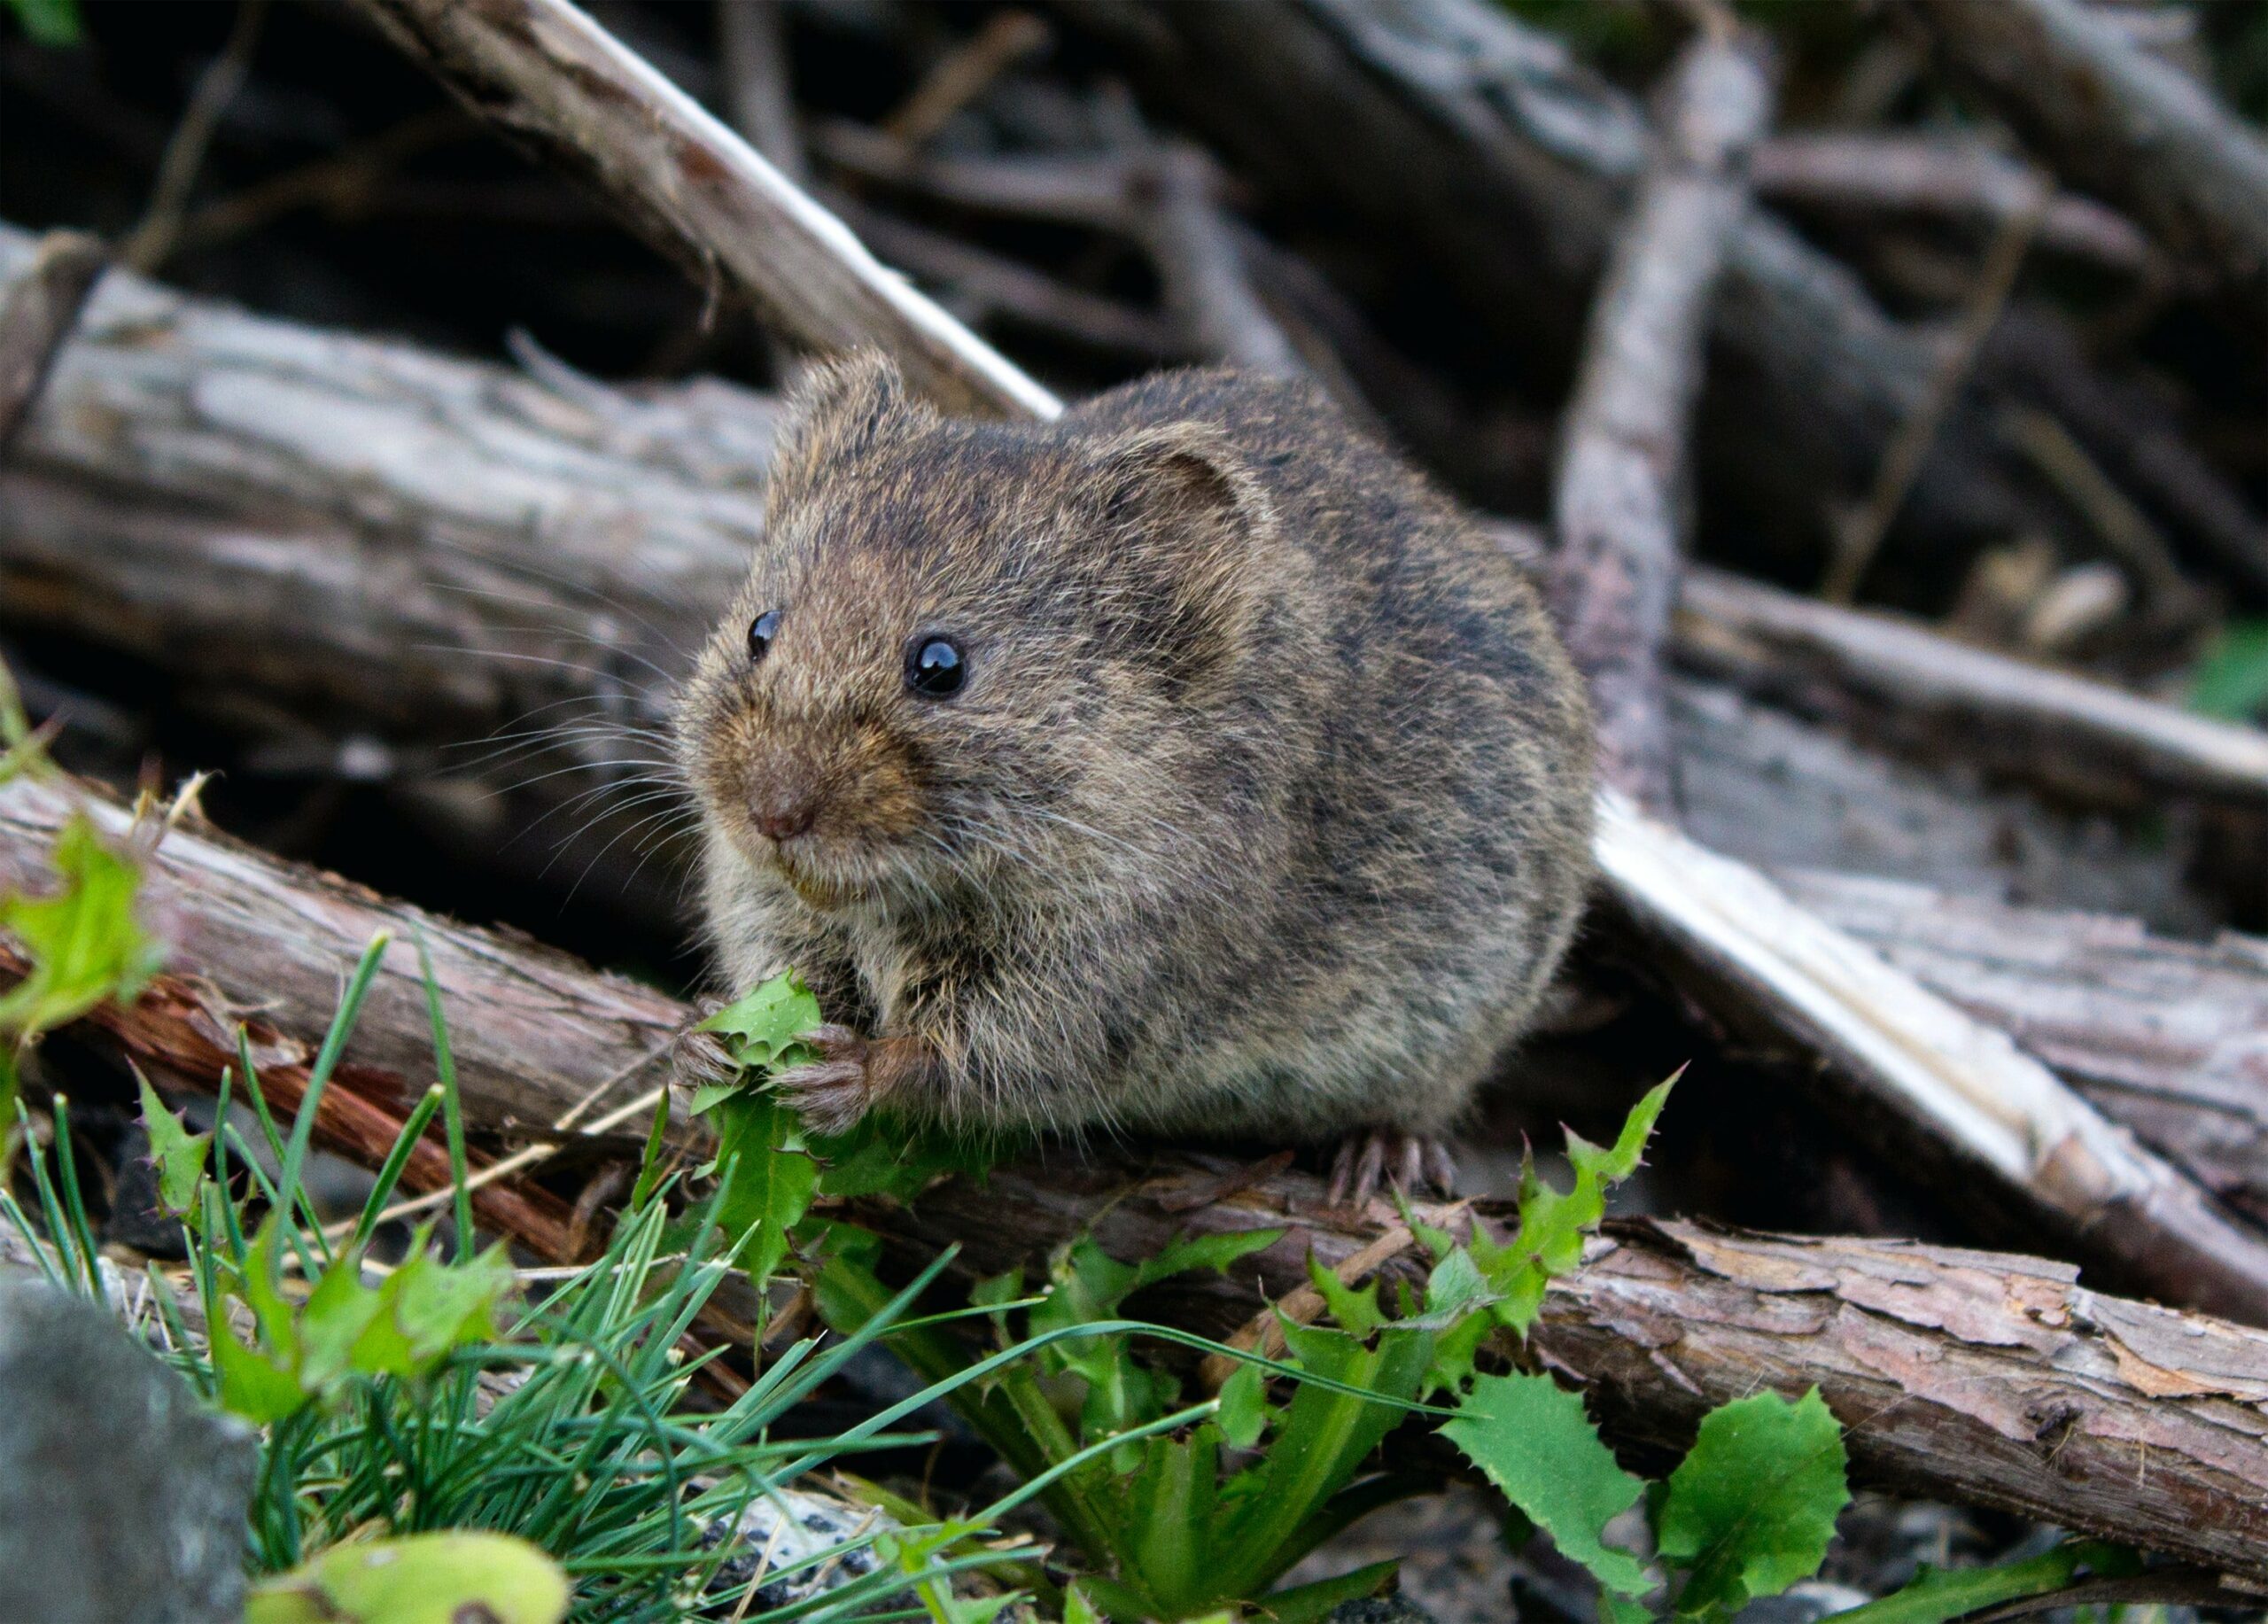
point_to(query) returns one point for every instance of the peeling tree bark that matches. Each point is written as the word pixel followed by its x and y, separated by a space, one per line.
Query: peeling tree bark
pixel 269 944
pixel 1966 1375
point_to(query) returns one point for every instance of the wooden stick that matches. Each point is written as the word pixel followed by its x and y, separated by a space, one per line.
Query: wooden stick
pixel 1621 479
pixel 555 80
pixel 1451 133
pixel 1988 1378
pixel 1939 177
pixel 1755 956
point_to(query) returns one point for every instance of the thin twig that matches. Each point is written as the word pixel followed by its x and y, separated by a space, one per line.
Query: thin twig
pixel 152 241
pixel 1861 537
pixel 965 73
pixel 752 44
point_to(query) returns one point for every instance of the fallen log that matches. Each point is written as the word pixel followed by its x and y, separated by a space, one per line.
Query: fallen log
pixel 2125 125
pixel 543 69
pixel 1975 1376
pixel 1619 495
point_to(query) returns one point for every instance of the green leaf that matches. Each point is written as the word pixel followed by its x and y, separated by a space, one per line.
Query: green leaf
pixel 252 1386
pixel 1190 1253
pixel 1552 1224
pixel 1243 1414
pixel 1752 1506
pixel 417 1579
pixel 1937 1594
pixel 404 1326
pixel 179 1154
pixel 773 1177
pixel 85 943
pixel 1171 1507
pixel 1533 1440
pixel 1322 1439
pixel 2231 681
pixel 761 1029
pixel 1310 1603
pixel 1076 1608
pixel 1352 1310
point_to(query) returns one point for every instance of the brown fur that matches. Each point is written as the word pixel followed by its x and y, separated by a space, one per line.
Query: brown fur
pixel 1264 811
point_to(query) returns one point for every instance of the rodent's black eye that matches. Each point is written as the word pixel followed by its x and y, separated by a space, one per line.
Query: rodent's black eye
pixel 761 631
pixel 934 667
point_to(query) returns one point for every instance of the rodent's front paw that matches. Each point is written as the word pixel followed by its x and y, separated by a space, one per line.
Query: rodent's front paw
pixel 697 1057
pixel 832 1093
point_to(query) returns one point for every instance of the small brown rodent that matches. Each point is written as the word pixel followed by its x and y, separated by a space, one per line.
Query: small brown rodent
pixel 1186 764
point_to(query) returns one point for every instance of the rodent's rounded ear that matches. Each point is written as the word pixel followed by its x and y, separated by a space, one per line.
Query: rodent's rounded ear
pixel 837 407
pixel 1166 479
pixel 1186 519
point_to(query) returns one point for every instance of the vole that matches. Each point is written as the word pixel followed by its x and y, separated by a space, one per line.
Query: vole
pixel 1187 765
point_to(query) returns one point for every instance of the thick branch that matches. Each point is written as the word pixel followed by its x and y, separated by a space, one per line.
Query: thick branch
pixel 2048 727
pixel 1621 473
pixel 1934 176
pixel 1760 961
pixel 1970 1375
pixel 556 81
pixel 2121 123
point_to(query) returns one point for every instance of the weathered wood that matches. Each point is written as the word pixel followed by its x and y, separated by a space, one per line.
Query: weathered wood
pixel 1722 926
pixel 421 455
pixel 556 81
pixel 378 543
pixel 2169 1036
pixel 269 943
pixel 1760 961
pixel 1939 177
pixel 1483 149
pixel 1974 1376
pixel 2084 739
pixel 2123 124
pixel 1620 497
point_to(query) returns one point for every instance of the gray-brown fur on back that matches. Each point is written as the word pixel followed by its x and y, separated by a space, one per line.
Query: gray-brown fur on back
pixel 1265 811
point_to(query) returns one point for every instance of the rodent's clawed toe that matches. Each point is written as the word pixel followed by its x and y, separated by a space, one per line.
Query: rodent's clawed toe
pixel 832 1093
pixel 1386 1158
pixel 698 1057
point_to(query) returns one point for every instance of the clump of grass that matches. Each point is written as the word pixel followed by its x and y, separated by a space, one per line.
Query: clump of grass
pixel 444 1393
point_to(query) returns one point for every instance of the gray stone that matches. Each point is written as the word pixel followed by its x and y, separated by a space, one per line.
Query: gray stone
pixel 122 1497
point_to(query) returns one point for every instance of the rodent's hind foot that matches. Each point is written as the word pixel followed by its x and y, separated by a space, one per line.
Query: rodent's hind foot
pixel 1371 1159
pixel 832 1093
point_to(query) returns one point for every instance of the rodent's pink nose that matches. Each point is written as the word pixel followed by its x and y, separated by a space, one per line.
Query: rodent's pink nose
pixel 784 817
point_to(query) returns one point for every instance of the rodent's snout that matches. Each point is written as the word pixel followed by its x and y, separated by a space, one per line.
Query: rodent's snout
pixel 782 807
